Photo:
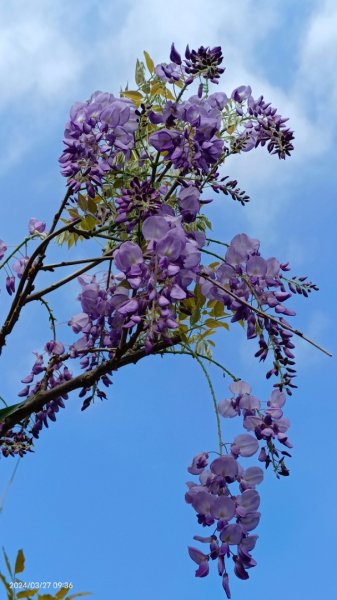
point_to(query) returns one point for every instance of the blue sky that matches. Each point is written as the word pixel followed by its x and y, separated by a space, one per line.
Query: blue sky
pixel 101 502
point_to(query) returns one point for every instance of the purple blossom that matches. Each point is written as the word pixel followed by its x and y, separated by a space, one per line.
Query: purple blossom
pixel 244 445
pixel 204 62
pixel 99 130
pixel 128 255
pixel 20 265
pixel 10 284
pixel 36 226
pixel 189 203
pixel 241 93
pixel 226 466
pixel 170 73
pixel 175 56
pixel 155 228
pixel 3 249
pixel 200 461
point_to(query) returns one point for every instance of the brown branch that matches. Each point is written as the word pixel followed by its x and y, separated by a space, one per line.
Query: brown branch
pixel 70 263
pixel 28 277
pixel 66 279
pixel 84 380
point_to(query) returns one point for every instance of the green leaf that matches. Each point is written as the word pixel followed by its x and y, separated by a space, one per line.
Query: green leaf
pixel 8 565
pixel 4 412
pixel 73 213
pixel 156 88
pixel 82 202
pixel 217 309
pixel 3 401
pixel 7 586
pixel 208 222
pixel 92 206
pixel 61 593
pixel 72 238
pixel 139 73
pixel 88 223
pixel 149 61
pixel 133 95
pixel 26 594
pixel 195 316
pixel 80 594
pixel 62 236
pixel 20 562
pixel 45 597
pixel 215 324
pixel 200 298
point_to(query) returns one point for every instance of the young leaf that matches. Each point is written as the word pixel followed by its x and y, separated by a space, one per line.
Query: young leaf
pixel 149 61
pixel 7 562
pixel 80 594
pixel 4 412
pixel 10 593
pixel 92 206
pixel 26 594
pixel 133 95
pixel 156 88
pixel 195 316
pixel 61 593
pixel 214 324
pixel 73 213
pixel 20 562
pixel 139 73
pixel 71 240
pixel 88 223
pixel 82 202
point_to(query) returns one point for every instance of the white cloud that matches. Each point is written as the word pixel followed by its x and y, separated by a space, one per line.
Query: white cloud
pixel 318 59
pixel 37 55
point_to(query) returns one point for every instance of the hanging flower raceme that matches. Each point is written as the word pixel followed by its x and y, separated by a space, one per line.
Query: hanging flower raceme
pixel 99 131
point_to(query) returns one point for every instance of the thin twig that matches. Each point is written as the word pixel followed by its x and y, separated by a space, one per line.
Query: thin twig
pixel 265 315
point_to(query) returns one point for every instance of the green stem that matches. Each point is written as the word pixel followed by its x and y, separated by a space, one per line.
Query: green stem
pixel 211 388
pixel 210 360
pixel 14 252
pixel 154 168
pixel 217 242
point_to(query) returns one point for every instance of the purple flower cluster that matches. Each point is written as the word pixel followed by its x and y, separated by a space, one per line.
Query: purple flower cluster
pixel 268 425
pixel 191 134
pixel 152 280
pixel 233 515
pixel 100 131
pixel 53 374
pixel 262 125
pixel 203 62
pixel 245 275
pixel 15 442
pixel 137 202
